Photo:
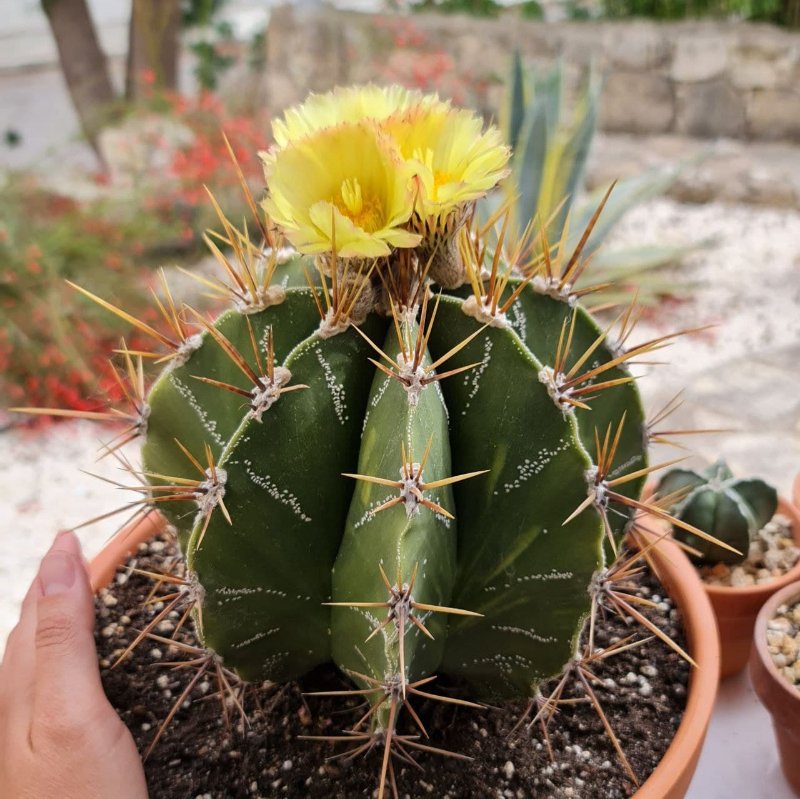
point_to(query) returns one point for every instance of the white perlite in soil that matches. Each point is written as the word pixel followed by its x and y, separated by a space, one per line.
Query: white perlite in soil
pixel 783 641
pixel 772 553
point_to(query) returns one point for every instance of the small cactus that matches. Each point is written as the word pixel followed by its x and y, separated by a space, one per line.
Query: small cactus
pixel 730 509
pixel 405 447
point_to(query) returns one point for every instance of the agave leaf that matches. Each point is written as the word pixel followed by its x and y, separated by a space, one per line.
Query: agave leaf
pixel 627 194
pixel 550 86
pixel 629 261
pixel 513 115
pixel 530 162
pixel 566 160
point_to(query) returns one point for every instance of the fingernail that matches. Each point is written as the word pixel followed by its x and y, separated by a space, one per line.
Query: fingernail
pixel 57 573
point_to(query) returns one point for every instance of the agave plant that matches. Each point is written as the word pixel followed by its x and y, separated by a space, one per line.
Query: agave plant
pixel 548 169
pixel 405 447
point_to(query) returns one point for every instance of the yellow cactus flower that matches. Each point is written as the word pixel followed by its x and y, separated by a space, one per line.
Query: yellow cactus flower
pixel 346 186
pixel 350 104
pixel 456 161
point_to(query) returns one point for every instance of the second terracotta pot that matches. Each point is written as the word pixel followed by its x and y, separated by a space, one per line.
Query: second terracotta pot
pixel 736 608
pixel 780 698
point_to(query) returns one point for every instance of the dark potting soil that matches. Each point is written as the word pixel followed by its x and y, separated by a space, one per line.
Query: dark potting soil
pixel 642 691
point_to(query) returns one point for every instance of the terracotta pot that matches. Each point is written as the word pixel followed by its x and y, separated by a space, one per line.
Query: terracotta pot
pixel 736 608
pixel 672 776
pixel 796 491
pixel 780 698
pixel 123 544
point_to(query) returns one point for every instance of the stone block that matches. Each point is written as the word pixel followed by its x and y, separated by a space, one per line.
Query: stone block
pixel 699 57
pixel 710 110
pixel 774 114
pixel 751 71
pixel 636 102
pixel 636 45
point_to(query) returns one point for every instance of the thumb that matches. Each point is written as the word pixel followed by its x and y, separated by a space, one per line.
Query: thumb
pixel 66 672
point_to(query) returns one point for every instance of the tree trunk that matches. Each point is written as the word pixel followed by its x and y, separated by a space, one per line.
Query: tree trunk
pixel 153 45
pixel 83 63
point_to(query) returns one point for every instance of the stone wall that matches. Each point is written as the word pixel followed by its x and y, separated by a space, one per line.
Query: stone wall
pixel 702 79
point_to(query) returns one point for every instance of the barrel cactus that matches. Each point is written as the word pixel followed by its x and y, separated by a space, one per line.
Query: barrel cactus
pixel 405 446
pixel 730 509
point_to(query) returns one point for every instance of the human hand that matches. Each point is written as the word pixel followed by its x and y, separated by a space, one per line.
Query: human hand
pixel 59 736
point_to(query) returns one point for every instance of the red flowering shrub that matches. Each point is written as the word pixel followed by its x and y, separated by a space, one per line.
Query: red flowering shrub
pixel 54 343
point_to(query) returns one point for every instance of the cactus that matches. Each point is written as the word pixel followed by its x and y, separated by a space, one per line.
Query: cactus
pixel 730 509
pixel 405 447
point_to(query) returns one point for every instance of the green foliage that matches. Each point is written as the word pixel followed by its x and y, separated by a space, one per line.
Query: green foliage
pixel 477 8
pixel 780 12
pixel 730 509
pixel 210 32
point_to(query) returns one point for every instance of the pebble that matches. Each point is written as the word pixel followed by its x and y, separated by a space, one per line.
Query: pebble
pixel 771 554
pixel 781 623
pixel 508 769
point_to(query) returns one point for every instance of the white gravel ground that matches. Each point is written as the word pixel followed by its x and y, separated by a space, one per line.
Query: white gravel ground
pixel 745 376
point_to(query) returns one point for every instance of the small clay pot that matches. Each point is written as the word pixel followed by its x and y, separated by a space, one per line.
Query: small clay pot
pixel 671 778
pixel 777 694
pixel 796 491
pixel 736 607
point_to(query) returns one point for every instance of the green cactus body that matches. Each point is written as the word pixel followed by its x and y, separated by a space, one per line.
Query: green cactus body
pixel 196 413
pixel 265 578
pixel 729 509
pixel 408 540
pixel 519 565
pixel 539 318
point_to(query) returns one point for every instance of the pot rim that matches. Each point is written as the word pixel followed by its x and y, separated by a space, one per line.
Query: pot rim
pixel 123 543
pixel 685 588
pixel 787 593
pixel 785 508
pixel 675 571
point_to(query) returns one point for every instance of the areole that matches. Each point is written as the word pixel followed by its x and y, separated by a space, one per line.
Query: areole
pixel 674 773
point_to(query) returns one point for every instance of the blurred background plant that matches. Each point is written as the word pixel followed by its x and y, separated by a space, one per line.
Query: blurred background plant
pixel 779 12
pixel 550 144
pixel 148 209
